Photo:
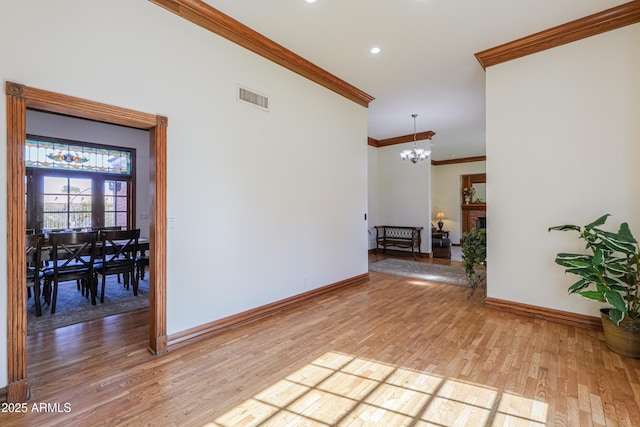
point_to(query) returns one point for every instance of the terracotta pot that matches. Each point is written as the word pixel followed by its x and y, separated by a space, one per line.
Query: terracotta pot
pixel 624 338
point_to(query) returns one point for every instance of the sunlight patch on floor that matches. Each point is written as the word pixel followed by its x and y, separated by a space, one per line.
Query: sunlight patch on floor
pixel 420 283
pixel 342 390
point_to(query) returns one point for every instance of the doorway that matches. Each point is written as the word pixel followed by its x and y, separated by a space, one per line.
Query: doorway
pixel 19 99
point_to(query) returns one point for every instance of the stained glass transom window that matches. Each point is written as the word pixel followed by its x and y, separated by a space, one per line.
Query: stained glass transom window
pixel 61 156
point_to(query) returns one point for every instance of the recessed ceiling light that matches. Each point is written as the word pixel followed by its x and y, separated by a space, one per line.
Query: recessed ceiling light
pixel 310 1
pixel 375 50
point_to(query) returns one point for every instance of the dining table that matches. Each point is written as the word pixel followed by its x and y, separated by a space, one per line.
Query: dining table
pixel 46 250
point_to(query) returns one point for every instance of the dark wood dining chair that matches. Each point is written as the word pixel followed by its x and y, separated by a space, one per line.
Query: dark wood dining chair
pixel 73 256
pixel 119 250
pixel 34 268
pixel 141 263
pixel 109 227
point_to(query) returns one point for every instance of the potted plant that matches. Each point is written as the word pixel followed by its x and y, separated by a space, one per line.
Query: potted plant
pixel 609 273
pixel 474 252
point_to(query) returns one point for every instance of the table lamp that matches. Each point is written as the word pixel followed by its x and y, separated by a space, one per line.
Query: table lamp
pixel 440 216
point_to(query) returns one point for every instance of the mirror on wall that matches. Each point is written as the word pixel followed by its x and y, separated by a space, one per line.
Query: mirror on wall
pixel 480 193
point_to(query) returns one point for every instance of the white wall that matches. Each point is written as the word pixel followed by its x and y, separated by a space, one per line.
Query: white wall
pixel 272 204
pixel 403 194
pixel 372 217
pixel 446 194
pixel 562 148
pixel 57 126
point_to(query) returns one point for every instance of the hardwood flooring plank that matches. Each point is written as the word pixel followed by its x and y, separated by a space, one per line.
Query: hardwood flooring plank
pixel 393 351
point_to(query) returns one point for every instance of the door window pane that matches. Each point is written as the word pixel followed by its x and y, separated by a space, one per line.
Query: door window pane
pixel 116 203
pixel 66 202
pixel 60 175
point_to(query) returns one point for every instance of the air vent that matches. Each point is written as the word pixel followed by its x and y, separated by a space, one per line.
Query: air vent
pixel 252 97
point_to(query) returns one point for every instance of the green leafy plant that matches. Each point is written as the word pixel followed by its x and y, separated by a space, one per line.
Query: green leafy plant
pixel 610 271
pixel 474 252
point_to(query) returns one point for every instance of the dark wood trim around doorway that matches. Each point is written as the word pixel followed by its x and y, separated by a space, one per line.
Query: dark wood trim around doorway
pixel 19 99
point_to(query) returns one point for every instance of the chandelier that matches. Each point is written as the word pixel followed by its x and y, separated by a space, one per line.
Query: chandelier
pixel 415 154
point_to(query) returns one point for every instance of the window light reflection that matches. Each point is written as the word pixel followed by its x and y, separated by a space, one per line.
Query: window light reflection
pixel 338 390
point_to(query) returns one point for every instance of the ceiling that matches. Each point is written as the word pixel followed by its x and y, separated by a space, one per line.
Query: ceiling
pixel 426 65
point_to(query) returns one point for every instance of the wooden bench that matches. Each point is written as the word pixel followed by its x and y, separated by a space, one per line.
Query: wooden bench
pixel 399 237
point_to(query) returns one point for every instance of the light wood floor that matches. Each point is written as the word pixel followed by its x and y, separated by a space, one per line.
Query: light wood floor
pixel 393 351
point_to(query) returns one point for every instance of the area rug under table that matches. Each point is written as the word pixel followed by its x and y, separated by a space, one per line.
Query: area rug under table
pixel 450 274
pixel 72 307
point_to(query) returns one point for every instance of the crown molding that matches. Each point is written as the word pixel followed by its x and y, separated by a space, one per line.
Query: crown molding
pixel 223 25
pixel 373 142
pixel 607 20
pixel 460 160
pixel 400 139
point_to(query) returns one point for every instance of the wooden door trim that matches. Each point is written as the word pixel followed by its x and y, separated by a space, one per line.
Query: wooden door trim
pixel 19 99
